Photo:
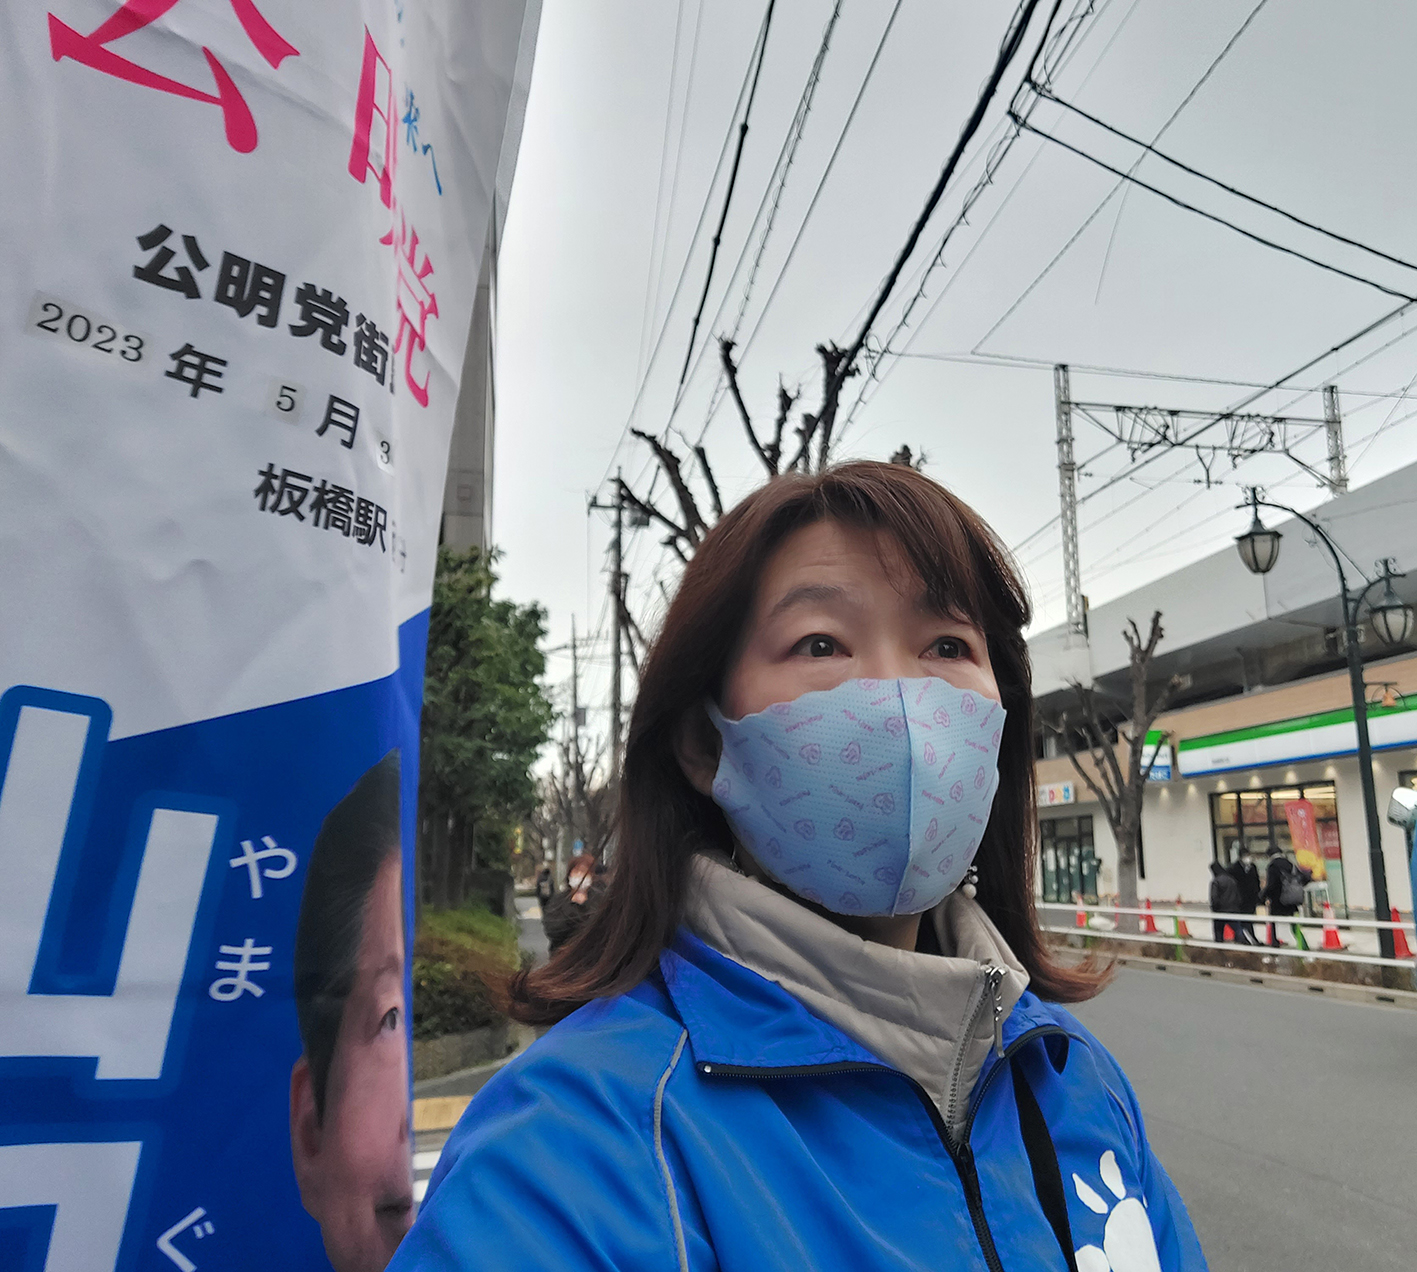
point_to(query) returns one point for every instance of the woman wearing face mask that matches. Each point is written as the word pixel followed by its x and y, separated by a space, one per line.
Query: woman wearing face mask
pixel 813 1023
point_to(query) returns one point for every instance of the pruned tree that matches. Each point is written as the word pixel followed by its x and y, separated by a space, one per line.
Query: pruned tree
pixel 1119 770
pixel 814 425
pixel 580 794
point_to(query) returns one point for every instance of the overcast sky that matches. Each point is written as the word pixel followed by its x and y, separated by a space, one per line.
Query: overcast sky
pixel 1310 110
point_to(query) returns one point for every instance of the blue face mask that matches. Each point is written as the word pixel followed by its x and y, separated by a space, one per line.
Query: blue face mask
pixel 870 798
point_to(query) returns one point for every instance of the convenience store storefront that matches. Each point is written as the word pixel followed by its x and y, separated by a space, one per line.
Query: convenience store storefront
pixel 1288 783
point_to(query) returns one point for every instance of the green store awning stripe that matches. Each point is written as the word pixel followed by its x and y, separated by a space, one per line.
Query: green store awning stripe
pixel 1295 724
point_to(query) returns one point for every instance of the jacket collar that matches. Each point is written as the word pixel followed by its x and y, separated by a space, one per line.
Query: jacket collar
pixel 929 1016
pixel 738 1019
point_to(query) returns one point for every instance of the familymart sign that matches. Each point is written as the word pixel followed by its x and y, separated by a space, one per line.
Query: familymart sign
pixel 1313 737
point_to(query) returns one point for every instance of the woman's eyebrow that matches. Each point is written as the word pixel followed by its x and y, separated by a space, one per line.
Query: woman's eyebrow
pixel 807 593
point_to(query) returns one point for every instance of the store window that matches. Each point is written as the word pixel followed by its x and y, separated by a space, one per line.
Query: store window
pixel 1069 860
pixel 1257 819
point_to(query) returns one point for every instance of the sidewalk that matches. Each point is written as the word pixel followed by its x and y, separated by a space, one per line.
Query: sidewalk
pixel 439 1102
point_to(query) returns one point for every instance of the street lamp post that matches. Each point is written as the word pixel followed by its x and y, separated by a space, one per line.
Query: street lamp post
pixel 1392 620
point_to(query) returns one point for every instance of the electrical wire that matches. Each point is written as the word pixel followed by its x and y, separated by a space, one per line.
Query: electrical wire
pixel 1210 216
pixel 1097 211
pixel 1008 50
pixel 1124 373
pixel 656 272
pixel 821 184
pixel 732 183
pixel 683 271
pixel 1254 397
pixel 1062 56
pixel 1229 189
pixel 770 203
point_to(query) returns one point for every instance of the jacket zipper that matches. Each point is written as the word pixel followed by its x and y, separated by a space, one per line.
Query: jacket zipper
pixel 962 1156
pixel 987 992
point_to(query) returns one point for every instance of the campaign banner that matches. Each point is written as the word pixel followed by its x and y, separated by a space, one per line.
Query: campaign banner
pixel 243 240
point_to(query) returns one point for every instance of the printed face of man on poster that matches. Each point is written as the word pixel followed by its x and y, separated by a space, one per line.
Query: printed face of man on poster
pixel 349 1131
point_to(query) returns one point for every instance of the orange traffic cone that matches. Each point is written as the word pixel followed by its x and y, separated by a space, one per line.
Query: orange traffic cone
pixel 1400 947
pixel 1331 941
pixel 1082 914
pixel 1148 924
pixel 1228 934
pixel 1181 929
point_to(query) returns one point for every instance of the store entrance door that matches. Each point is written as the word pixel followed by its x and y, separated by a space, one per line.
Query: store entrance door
pixel 1069 862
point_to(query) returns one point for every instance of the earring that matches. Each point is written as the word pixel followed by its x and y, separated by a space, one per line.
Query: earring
pixel 970 886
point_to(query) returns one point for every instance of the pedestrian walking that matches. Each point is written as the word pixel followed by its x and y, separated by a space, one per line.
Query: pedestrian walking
pixel 566 912
pixel 1224 898
pixel 1283 891
pixel 545 885
pixel 1248 878
pixel 814 1024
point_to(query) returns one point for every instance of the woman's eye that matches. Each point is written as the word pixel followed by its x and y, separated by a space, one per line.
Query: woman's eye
pixel 390 1020
pixel 949 647
pixel 818 646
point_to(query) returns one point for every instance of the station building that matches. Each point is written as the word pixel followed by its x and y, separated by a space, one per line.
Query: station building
pixel 1263 717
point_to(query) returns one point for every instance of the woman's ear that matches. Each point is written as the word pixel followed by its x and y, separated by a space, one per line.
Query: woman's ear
pixel 696 746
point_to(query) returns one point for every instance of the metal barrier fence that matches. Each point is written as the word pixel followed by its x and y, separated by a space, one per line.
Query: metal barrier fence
pixel 1111 913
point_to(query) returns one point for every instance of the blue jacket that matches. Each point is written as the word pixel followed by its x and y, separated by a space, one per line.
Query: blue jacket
pixel 707 1120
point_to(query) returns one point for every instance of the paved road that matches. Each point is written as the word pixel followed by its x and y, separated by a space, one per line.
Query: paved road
pixel 533 937
pixel 1288 1123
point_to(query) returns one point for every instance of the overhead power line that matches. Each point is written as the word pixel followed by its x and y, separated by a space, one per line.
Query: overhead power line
pixel 1222 416
pixel 654 277
pixel 1111 194
pixel 1126 373
pixel 1043 91
pixel 1210 216
pixel 1008 50
pixel 770 203
pixel 683 269
pixel 1065 41
pixel 822 181
pixel 728 193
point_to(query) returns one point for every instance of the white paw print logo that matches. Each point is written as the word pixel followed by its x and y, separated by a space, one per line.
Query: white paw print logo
pixel 1127 1241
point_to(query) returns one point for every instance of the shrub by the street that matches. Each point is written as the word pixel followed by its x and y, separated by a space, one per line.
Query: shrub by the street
pixel 454 951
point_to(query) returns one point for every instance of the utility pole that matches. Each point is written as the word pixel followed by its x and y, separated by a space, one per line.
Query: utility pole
pixel 617 630
pixel 577 786
pixel 617 553
pixel 1333 426
pixel 1068 500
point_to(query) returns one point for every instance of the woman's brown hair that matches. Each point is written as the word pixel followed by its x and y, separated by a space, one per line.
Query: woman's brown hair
pixel 662 820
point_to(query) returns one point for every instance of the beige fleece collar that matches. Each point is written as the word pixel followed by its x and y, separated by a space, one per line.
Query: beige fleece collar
pixel 909 1009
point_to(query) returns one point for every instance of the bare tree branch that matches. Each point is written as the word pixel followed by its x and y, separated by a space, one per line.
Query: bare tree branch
pixel 834 376
pixel 785 402
pixel 672 542
pixel 1103 798
pixel 714 498
pixel 730 370
pixel 651 511
pixel 669 461
pixel 1106 753
pixel 805 432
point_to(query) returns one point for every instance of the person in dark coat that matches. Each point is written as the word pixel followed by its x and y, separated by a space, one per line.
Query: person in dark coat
pixel 545 885
pixel 1278 871
pixel 1243 871
pixel 1224 897
pixel 568 910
